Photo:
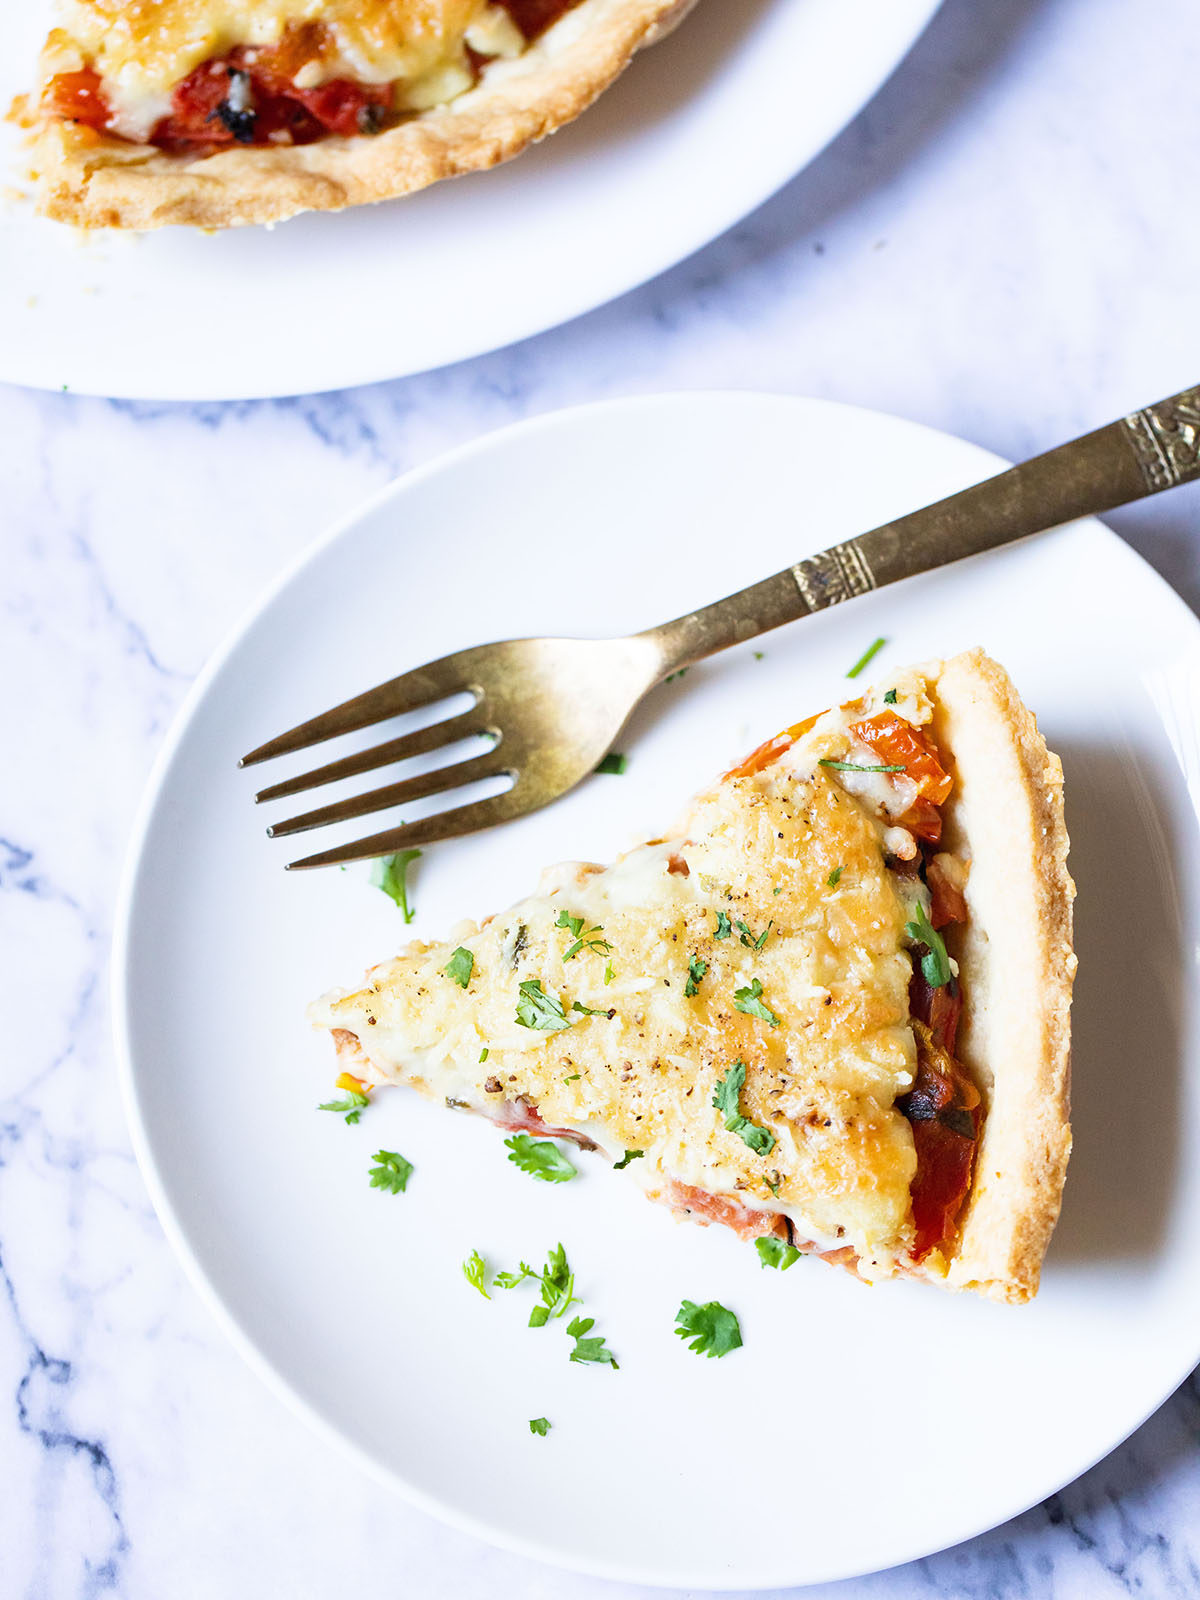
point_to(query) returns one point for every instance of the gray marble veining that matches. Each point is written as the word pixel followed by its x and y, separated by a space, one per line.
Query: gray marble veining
pixel 1004 244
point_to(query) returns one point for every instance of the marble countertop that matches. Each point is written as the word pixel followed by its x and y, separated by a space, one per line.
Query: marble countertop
pixel 1004 245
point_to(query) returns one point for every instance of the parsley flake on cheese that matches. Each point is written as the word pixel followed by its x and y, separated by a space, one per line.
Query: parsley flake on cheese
pixel 726 1099
pixel 460 966
pixel 749 1000
pixel 537 1009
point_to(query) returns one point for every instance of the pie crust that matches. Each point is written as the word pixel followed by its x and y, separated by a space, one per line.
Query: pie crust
pixel 94 181
pixel 1005 815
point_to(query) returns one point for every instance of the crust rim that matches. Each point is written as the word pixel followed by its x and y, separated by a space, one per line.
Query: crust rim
pixel 93 182
pixel 1018 967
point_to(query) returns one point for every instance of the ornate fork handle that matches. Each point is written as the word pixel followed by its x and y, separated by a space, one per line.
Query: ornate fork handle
pixel 1141 454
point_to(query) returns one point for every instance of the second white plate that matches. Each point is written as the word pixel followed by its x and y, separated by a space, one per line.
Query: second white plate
pixel 857 1428
pixel 699 131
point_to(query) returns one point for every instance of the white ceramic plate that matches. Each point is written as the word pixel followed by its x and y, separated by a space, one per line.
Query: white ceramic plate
pixel 857 1428
pixel 697 133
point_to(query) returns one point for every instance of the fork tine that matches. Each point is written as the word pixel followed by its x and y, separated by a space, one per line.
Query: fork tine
pixel 409 692
pixel 419 743
pixel 427 830
pixel 438 781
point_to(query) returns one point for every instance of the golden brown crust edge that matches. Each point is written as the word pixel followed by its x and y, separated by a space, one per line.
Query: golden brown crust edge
pixel 95 182
pixel 1018 967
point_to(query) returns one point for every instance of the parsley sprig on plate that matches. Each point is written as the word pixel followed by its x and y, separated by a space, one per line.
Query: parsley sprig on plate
pixel 593 1349
pixel 773 1252
pixel 540 1159
pixel 390 873
pixel 391 1171
pixel 351 1107
pixel 710 1329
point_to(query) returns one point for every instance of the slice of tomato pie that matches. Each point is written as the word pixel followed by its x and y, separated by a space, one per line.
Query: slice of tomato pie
pixel 831 1006
pixel 215 112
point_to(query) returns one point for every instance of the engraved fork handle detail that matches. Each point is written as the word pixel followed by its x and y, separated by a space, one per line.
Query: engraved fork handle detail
pixel 1141 454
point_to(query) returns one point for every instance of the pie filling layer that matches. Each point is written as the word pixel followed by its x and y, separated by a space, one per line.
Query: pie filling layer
pixel 192 77
pixel 761 1006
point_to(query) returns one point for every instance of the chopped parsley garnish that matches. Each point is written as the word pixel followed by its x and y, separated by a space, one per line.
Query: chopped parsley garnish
pixel 585 938
pixel 726 1099
pixel 510 1280
pixel 390 873
pixel 483 1054
pixel 696 971
pixel 558 1288
pixel 724 926
pixel 539 1425
pixel 390 1172
pixel 671 676
pixel 866 658
pixel 935 963
pixel 351 1107
pixel 615 763
pixel 850 766
pixel 475 1272
pixel 460 966
pixel 557 1283
pixel 540 1158
pixel 710 1330
pixel 537 1009
pixel 585 1349
pixel 749 940
pixel 630 1155
pixel 574 1078
pixel 774 1252
pixel 835 877
pixel 590 1011
pixel 889 698
pixel 749 1000
pixel 760 655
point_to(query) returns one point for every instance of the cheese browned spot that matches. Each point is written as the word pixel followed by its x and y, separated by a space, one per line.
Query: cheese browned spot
pixel 786 851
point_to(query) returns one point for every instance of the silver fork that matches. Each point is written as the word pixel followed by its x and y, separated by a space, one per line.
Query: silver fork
pixel 554 706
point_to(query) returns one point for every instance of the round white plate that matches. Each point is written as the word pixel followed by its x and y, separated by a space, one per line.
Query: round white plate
pixel 698 132
pixel 856 1428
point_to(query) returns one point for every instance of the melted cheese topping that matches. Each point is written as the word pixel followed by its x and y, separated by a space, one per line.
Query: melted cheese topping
pixel 834 970
pixel 143 48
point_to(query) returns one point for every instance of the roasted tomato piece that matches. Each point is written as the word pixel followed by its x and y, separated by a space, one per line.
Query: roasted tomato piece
pixel 898 743
pixel 77 97
pixel 766 753
pixel 945 1160
pixel 944 1111
pixel 534 16
pixel 948 902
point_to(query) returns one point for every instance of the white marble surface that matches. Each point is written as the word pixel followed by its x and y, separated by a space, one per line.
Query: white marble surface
pixel 1004 244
